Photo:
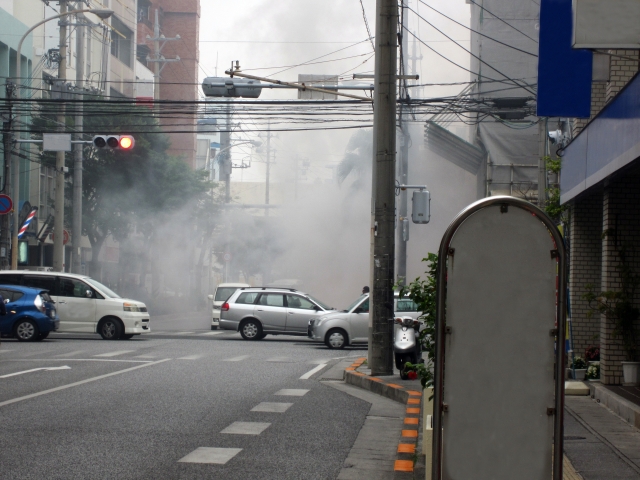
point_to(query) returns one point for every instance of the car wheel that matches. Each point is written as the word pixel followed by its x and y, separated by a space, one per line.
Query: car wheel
pixel 110 329
pixel 251 330
pixel 26 331
pixel 336 338
pixel 126 336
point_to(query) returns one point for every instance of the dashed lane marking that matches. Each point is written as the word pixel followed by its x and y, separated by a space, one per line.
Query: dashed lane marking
pixel 246 428
pixel 70 354
pixel 211 333
pixel 272 407
pixel 218 456
pixel 292 392
pixel 65 367
pixel 191 357
pixel 145 356
pixel 236 359
pixel 307 375
pixel 114 354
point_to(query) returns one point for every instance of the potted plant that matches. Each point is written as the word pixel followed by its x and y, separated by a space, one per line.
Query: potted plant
pixel 579 367
pixel 592 354
pixel 619 308
pixel 593 371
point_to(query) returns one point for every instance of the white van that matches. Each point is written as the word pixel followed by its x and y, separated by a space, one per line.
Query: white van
pixel 85 305
pixel 221 295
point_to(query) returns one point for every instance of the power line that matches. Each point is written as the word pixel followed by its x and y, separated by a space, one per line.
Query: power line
pixel 503 21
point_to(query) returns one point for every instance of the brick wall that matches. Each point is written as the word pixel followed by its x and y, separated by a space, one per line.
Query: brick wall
pixel 585 232
pixel 621 221
pixel 622 67
pixel 598 101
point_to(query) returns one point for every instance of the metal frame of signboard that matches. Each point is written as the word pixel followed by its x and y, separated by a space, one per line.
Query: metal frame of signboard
pixel 439 368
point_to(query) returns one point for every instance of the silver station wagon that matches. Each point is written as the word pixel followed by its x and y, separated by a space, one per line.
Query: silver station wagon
pixel 259 311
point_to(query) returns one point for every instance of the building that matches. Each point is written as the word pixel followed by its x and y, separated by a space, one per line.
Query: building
pixel 174 60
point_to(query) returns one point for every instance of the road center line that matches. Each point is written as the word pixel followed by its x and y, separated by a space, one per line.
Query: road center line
pixel 81 382
pixel 312 371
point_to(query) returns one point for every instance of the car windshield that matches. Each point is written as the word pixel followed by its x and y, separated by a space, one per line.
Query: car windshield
pixel 354 304
pixel 223 293
pixel 323 305
pixel 104 290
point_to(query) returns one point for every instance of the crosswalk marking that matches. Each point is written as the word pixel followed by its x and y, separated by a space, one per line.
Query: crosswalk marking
pixel 292 392
pixel 246 428
pixel 236 359
pixel 218 456
pixel 114 354
pixel 272 407
pixel 191 357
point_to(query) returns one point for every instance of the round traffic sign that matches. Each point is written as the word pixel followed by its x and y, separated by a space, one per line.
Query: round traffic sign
pixel 65 237
pixel 6 204
pixel 227 257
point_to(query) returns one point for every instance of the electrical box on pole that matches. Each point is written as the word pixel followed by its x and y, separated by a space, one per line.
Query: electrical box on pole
pixel 421 206
pixel 231 87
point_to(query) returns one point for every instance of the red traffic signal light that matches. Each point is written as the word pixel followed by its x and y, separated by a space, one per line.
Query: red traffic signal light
pixel 114 142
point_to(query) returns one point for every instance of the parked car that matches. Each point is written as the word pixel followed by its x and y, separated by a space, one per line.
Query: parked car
pixel 31 314
pixel 351 326
pixel 256 312
pixel 84 305
pixel 221 295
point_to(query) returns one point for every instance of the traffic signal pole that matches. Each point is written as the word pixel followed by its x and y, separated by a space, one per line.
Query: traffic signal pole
pixel 383 194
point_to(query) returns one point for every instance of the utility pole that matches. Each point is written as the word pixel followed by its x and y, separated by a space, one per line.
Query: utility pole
pixel 58 224
pixel 225 154
pixel 5 233
pixel 403 169
pixel 383 198
pixel 266 191
pixel 76 226
pixel 158 44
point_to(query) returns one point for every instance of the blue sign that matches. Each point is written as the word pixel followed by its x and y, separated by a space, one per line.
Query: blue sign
pixel 564 73
pixel 5 204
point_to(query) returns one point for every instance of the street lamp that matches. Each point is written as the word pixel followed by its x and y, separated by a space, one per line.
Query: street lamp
pixel 15 162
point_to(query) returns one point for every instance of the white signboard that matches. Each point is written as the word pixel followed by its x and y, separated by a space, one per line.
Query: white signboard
pixel 56 142
pixel 606 24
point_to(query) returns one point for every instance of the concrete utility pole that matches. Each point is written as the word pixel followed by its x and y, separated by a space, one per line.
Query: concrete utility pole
pixel 58 223
pixel 383 199
pixel 225 158
pixel 5 233
pixel 266 191
pixel 403 170
pixel 76 226
pixel 157 59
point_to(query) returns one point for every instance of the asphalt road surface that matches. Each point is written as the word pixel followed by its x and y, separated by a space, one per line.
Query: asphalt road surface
pixel 177 404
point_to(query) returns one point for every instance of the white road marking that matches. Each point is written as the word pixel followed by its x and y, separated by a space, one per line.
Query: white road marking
pixel 212 333
pixel 114 354
pixel 319 361
pixel 81 382
pixel 246 428
pixel 36 370
pixel 272 407
pixel 236 359
pixel 33 354
pixel 145 356
pixel 312 371
pixel 292 392
pixel 183 333
pixel 218 456
pixel 73 360
pixel 191 357
pixel 280 360
pixel 5 351
pixel 70 354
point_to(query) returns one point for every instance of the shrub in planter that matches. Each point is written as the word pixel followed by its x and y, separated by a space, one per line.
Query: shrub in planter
pixel 593 372
pixel 578 363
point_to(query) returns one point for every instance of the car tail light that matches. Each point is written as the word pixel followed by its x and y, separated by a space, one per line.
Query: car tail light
pixel 39 304
pixel 225 307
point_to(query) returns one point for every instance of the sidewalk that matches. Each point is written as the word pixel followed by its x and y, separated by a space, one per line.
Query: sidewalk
pixel 391 447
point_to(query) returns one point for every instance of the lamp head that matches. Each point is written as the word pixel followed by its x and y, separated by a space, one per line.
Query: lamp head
pixel 102 13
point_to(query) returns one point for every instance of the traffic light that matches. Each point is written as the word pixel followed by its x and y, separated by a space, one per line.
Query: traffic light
pixel 114 142
pixel 231 87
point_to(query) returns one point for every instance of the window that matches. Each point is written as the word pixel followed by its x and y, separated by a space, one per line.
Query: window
pixel 11 295
pixel 271 300
pixel 11 279
pixel 406 305
pixel 364 306
pixel 46 282
pixel 121 41
pixel 247 298
pixel 70 287
pixel 223 294
pixel 294 301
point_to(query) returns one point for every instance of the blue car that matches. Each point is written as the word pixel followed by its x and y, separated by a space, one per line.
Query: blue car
pixel 31 314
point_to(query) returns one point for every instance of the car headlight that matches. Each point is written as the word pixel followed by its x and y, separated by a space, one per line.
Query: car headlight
pixel 130 307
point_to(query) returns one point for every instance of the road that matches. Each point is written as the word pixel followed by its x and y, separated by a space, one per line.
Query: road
pixel 134 409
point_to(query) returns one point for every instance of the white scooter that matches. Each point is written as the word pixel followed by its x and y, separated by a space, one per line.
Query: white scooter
pixel 406 343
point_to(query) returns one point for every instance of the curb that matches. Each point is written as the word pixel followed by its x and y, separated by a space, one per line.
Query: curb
pixel 406 453
pixel 622 407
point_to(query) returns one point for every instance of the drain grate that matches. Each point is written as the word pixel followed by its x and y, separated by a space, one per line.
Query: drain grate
pixel 573 437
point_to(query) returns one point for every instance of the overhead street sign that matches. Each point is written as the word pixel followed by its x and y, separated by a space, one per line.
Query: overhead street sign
pixel 56 142
pixel 6 204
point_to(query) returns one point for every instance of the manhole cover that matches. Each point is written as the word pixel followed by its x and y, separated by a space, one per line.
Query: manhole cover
pixel 570 437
